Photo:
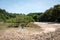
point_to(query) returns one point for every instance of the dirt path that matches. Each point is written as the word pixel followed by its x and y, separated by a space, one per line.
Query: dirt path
pixel 48 27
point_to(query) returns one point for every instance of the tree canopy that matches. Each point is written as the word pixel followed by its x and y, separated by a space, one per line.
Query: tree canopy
pixel 50 15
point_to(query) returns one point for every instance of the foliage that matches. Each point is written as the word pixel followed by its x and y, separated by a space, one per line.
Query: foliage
pixel 5 15
pixel 21 20
pixel 35 16
pixel 51 15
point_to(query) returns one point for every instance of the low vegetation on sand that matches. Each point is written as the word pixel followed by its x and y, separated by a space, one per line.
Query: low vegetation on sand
pixel 31 33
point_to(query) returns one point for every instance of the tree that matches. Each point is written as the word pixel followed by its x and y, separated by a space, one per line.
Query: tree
pixel 21 20
pixel 51 15
pixel 35 16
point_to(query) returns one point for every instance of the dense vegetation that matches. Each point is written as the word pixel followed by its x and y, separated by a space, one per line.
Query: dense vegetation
pixel 5 15
pixel 15 18
pixel 35 16
pixel 50 15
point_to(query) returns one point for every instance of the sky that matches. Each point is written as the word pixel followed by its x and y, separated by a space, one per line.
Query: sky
pixel 27 6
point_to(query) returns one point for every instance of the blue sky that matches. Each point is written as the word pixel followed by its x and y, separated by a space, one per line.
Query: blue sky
pixel 27 6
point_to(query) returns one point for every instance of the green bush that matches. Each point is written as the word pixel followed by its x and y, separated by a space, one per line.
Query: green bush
pixel 21 20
